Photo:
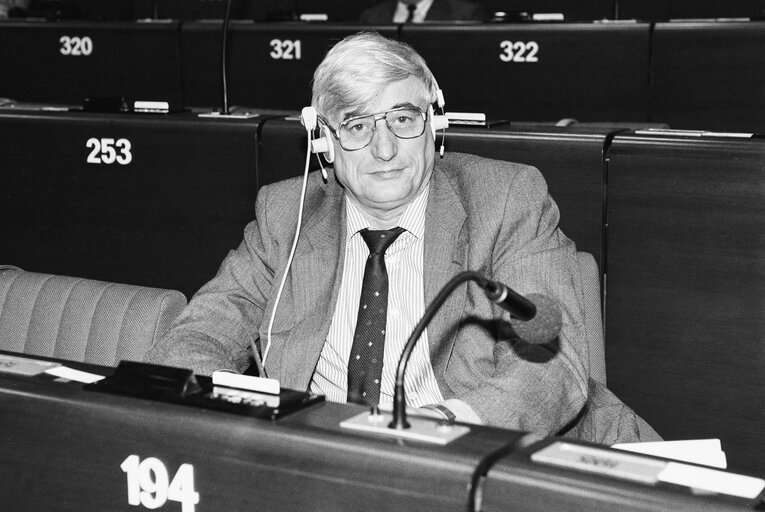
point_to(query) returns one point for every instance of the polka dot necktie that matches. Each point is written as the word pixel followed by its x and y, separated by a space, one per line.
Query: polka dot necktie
pixel 366 360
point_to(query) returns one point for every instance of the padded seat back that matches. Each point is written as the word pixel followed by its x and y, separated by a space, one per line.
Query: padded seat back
pixel 593 317
pixel 81 319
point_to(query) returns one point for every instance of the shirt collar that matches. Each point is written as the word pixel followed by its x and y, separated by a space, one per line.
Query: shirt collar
pixel 413 218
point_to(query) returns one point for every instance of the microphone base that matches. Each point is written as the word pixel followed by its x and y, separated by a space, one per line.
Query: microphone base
pixel 219 115
pixel 422 429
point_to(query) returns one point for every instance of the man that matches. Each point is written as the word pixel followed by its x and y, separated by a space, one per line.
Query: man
pixel 418 11
pixel 457 213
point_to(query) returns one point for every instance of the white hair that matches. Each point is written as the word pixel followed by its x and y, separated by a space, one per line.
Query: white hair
pixel 360 66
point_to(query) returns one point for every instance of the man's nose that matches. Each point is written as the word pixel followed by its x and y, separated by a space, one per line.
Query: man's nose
pixel 384 143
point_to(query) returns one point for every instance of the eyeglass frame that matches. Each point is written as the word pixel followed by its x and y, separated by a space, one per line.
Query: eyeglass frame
pixel 376 117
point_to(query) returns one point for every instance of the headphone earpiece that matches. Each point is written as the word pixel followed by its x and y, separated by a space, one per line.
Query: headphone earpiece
pixel 309 119
pixel 324 145
pixel 438 122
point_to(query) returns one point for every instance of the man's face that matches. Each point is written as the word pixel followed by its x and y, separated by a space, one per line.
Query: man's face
pixel 389 173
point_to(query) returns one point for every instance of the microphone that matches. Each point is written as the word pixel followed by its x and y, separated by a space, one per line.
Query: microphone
pixel 224 57
pixel 537 321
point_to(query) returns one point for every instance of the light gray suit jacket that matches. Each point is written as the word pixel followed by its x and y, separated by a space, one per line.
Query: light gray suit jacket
pixel 489 216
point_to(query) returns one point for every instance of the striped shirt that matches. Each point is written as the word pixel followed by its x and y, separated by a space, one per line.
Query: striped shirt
pixel 406 305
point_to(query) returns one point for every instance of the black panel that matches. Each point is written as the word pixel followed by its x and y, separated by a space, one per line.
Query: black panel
pixel 685 319
pixel 657 10
pixel 336 10
pixel 571 11
pixel 67 62
pixel 709 76
pixel 112 10
pixel 135 450
pixel 259 10
pixel 166 219
pixel 593 72
pixel 256 78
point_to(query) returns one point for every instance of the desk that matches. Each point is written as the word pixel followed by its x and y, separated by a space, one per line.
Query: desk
pixel 269 66
pixel 146 199
pixel 685 317
pixel 68 449
pixel 539 72
pixel 658 10
pixel 572 11
pixel 709 76
pixel 66 62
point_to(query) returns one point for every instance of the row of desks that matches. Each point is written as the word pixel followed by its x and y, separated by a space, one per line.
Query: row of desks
pixel 66 448
pixel 705 75
pixel 349 10
pixel 676 222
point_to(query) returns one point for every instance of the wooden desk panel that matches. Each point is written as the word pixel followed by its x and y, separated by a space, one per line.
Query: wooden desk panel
pixel 685 317
pixel 67 449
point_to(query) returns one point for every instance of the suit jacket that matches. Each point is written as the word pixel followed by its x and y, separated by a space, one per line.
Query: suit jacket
pixel 440 10
pixel 489 216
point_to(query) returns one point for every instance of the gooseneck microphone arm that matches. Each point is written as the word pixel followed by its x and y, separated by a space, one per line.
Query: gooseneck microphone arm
pixel 509 300
pixel 224 55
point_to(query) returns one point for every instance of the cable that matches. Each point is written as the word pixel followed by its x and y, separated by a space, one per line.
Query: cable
pixel 292 252
pixel 482 469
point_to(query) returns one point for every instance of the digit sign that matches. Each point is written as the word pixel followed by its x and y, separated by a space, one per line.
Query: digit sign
pixel 149 484
pixel 519 51
pixel 76 46
pixel 285 49
pixel 108 151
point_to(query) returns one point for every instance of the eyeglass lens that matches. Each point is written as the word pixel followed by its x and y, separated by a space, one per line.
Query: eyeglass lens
pixel 404 123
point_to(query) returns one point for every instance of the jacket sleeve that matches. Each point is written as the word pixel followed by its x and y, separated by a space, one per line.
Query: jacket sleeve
pixel 539 388
pixel 216 329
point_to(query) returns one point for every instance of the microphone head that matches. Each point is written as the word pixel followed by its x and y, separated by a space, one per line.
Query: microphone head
pixel 546 324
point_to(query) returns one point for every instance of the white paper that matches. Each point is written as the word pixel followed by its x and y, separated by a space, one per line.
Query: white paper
pixel 697 451
pixel 75 375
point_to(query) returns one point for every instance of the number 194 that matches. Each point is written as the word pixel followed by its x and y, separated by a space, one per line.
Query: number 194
pixel 149 484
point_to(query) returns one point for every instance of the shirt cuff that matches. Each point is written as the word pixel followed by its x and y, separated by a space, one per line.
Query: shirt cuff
pixel 462 411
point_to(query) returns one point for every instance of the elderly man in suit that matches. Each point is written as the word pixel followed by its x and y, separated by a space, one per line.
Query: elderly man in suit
pixel 418 11
pixel 328 330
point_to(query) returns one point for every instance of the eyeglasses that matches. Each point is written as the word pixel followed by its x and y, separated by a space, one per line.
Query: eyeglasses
pixel 357 132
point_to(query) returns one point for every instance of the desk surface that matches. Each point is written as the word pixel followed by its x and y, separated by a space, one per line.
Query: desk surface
pixel 83 450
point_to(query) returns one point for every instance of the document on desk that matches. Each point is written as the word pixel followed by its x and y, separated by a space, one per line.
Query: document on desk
pixel 648 470
pixel 24 365
pixel 697 451
pixel 66 373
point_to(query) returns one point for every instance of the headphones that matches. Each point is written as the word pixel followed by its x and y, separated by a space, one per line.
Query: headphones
pixel 324 146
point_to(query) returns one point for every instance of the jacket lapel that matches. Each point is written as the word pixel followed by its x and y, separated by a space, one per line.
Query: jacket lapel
pixel 445 256
pixel 315 281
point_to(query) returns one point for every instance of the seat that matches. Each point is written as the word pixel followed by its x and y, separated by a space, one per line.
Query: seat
pixel 80 319
pixel 593 317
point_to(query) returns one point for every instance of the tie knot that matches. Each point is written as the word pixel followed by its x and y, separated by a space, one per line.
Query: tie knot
pixel 379 241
